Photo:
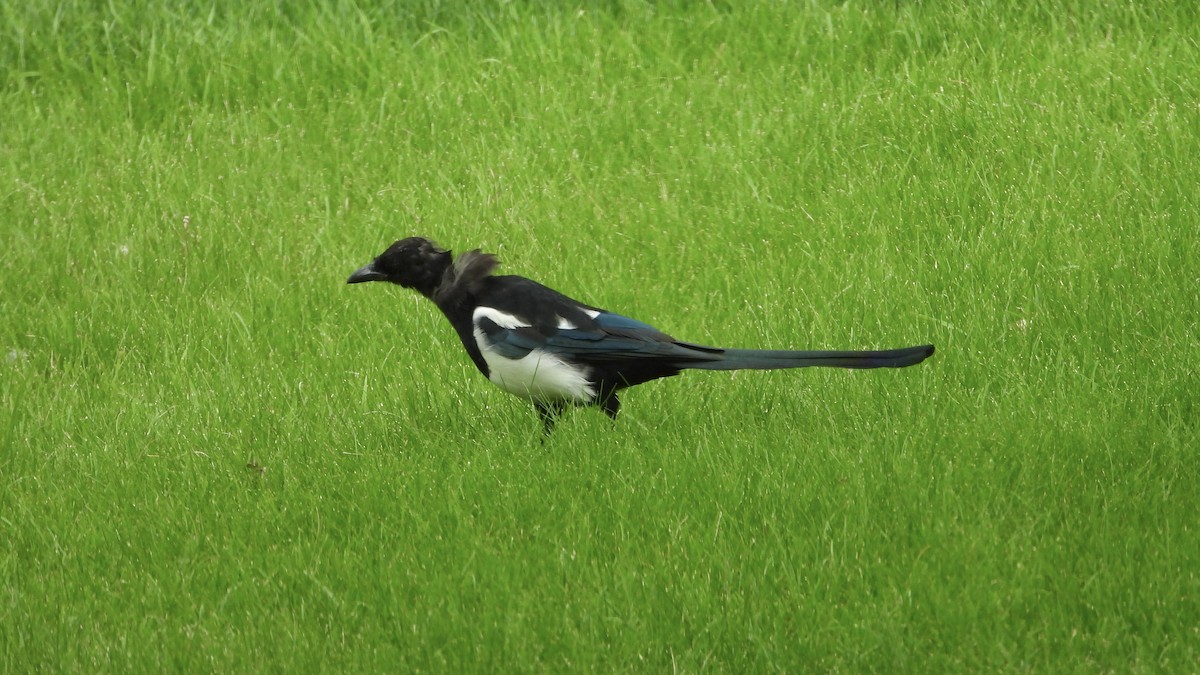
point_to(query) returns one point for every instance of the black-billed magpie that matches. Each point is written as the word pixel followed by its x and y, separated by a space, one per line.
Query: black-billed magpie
pixel 537 343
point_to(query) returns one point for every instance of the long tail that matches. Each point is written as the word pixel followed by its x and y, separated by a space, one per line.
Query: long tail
pixel 769 359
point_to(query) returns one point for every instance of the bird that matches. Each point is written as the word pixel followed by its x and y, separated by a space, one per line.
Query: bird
pixel 557 352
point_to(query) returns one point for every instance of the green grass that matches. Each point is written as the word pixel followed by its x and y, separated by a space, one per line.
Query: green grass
pixel 214 455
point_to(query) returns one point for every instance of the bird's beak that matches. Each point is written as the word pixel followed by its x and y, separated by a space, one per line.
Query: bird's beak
pixel 366 273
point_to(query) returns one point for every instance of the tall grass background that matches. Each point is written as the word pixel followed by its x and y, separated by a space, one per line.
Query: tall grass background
pixel 214 455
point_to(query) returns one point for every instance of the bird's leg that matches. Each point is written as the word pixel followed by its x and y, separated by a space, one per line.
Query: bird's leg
pixel 611 405
pixel 549 412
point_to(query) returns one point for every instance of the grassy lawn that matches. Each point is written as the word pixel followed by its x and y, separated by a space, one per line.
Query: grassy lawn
pixel 216 456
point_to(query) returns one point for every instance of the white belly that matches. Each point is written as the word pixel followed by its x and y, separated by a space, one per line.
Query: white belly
pixel 538 376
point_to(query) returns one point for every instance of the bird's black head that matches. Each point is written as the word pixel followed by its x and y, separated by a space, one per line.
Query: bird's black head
pixel 415 263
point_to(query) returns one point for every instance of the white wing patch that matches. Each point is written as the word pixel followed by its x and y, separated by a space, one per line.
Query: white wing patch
pixel 539 375
pixel 591 312
pixel 502 319
pixel 564 324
